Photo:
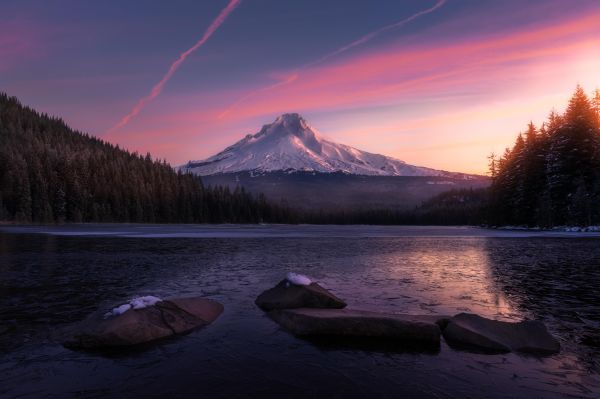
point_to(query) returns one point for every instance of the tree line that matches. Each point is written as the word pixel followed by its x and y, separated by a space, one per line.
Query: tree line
pixel 465 206
pixel 50 173
pixel 551 176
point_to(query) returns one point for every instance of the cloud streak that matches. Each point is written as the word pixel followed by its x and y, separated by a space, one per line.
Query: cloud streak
pixel 362 40
pixel 157 89
pixel 376 33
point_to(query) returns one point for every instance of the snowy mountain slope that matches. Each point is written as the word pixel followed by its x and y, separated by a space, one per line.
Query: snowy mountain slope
pixel 291 144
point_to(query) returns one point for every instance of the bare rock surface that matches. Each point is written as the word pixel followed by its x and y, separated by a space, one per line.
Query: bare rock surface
pixel 310 322
pixel 138 326
pixel 471 330
pixel 286 295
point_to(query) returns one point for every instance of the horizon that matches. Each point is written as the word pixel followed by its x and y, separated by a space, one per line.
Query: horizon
pixel 440 84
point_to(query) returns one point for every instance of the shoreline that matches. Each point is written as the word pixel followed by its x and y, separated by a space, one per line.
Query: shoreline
pixel 133 230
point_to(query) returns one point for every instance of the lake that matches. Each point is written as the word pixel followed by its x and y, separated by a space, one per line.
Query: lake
pixel 54 276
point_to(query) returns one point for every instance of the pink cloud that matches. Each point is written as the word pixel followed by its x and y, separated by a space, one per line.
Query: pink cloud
pixel 386 75
pixel 454 74
pixel 292 76
pixel 371 35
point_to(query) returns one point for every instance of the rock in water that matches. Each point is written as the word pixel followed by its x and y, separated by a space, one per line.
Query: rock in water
pixel 499 336
pixel 138 326
pixel 360 324
pixel 286 295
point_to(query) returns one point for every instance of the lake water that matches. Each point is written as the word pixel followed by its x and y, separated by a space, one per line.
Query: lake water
pixel 52 277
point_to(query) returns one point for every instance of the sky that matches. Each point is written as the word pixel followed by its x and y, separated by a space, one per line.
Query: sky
pixel 437 83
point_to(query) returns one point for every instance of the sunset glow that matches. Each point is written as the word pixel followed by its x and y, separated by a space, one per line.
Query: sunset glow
pixel 444 89
pixel 269 198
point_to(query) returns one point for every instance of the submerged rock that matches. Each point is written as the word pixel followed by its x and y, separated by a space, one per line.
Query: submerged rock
pixel 498 336
pixel 287 295
pixel 359 324
pixel 138 326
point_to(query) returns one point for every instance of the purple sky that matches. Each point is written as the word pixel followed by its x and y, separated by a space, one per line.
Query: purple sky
pixel 435 83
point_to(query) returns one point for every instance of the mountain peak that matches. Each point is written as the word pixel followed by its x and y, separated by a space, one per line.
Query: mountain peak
pixel 292 121
pixel 290 124
pixel 291 144
pixel 291 117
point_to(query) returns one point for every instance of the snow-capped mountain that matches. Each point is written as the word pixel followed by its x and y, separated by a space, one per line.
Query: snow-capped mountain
pixel 291 144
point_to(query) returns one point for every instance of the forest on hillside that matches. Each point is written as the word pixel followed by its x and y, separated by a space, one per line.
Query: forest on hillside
pixel 551 176
pixel 50 173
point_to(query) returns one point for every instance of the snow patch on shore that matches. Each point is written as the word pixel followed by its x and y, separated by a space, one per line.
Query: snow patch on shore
pixel 566 229
pixel 575 229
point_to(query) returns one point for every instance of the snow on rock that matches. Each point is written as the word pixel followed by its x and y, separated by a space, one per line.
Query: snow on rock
pixel 291 144
pixel 143 301
pixel 118 310
pixel 135 303
pixel 298 279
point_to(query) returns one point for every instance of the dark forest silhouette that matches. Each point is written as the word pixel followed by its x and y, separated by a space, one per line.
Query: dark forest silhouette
pixel 551 176
pixel 50 173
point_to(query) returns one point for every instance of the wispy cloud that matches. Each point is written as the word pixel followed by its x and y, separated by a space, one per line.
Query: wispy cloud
pixel 375 33
pixel 424 70
pixel 362 40
pixel 157 89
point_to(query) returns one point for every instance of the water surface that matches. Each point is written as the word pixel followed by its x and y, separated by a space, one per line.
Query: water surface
pixel 50 281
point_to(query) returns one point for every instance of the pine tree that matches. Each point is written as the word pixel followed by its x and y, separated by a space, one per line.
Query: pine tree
pixel 596 105
pixel 552 176
pixel 492 165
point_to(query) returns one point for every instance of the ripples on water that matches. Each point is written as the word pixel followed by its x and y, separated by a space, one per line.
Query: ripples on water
pixel 49 282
